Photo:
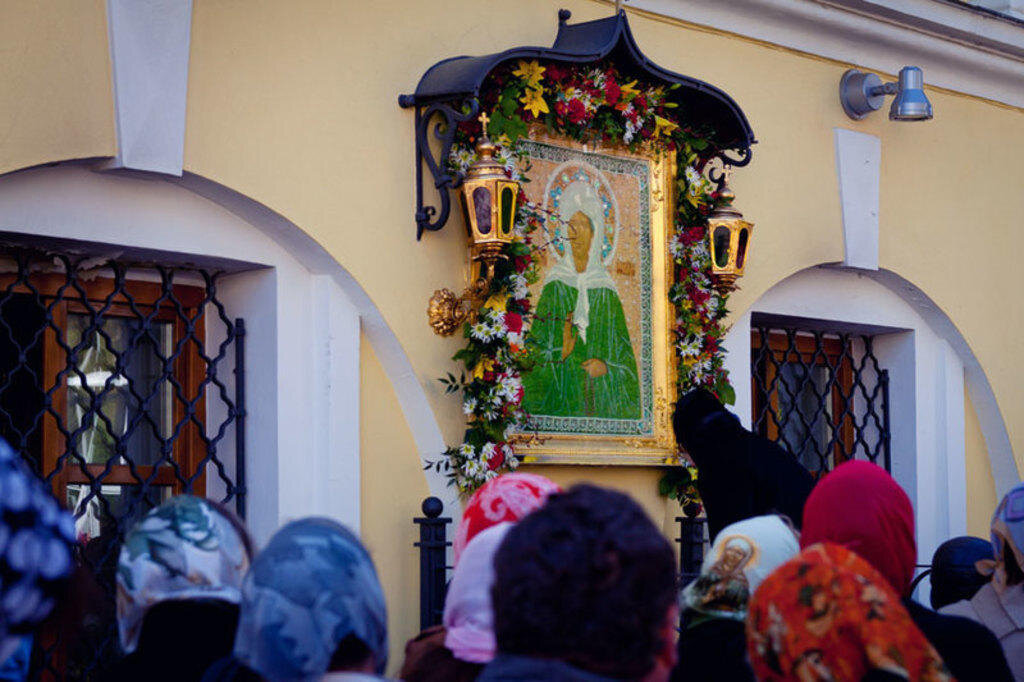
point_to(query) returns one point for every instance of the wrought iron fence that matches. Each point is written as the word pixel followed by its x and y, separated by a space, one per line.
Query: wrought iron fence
pixel 434 569
pixel 111 392
pixel 433 546
pixel 821 395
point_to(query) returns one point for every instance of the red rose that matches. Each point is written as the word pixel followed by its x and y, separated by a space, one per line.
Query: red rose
pixel 524 304
pixel 497 459
pixel 612 92
pixel 555 73
pixel 577 112
pixel 522 263
pixel 640 103
pixel 513 322
pixel 489 377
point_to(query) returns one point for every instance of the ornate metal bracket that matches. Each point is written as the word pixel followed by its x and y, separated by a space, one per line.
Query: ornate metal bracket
pixel 717 167
pixel 430 217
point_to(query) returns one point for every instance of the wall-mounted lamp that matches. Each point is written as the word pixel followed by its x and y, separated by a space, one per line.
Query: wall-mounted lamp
pixel 489 203
pixel 729 240
pixel 861 93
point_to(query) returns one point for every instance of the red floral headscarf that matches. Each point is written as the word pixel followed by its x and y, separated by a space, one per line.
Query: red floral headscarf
pixel 505 498
pixel 828 616
pixel 859 506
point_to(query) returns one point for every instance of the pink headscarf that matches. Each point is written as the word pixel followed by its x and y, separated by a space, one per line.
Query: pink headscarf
pixel 506 498
pixel 468 612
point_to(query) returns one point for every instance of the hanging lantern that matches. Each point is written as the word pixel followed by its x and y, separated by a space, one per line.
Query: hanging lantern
pixel 489 201
pixel 729 240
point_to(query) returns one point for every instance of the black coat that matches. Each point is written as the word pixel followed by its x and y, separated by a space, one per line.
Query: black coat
pixel 970 651
pixel 179 641
pixel 508 668
pixel 713 651
pixel 740 474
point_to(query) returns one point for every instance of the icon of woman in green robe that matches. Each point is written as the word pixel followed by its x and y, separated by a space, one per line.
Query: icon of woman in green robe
pixel 586 366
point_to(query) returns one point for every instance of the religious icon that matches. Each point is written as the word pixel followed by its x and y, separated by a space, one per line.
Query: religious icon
pixel 586 364
pixel 724 587
pixel 600 383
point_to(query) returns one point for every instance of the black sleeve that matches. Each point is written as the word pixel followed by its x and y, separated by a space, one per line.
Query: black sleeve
pixel 740 474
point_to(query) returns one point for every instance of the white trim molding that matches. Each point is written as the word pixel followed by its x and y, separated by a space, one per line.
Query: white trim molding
pixel 929 364
pixel 304 316
pixel 859 166
pixel 961 48
pixel 149 53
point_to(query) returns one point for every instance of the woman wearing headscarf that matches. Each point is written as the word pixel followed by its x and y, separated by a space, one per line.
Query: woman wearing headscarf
pixel 313 608
pixel 955 576
pixel 458 650
pixel 463 643
pixel 999 605
pixel 179 579
pixel 509 497
pixel 858 505
pixel 36 556
pixel 741 474
pixel 827 615
pixel 712 642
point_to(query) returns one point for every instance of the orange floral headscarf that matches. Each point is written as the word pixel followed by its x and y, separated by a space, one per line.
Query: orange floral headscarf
pixel 828 616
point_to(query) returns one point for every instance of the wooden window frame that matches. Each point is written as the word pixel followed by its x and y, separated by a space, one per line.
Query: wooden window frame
pixel 104 297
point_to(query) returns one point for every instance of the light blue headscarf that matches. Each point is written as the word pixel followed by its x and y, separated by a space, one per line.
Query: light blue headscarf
pixel 313 586
pixel 184 549
pixel 36 550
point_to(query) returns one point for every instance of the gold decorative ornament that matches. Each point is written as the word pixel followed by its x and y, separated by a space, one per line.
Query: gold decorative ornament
pixel 729 241
pixel 489 201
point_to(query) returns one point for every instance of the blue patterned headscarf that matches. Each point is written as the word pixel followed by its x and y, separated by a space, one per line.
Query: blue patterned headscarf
pixel 36 542
pixel 184 549
pixel 313 586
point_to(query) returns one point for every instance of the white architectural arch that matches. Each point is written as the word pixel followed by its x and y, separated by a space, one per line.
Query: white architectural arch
pixel 304 313
pixel 929 364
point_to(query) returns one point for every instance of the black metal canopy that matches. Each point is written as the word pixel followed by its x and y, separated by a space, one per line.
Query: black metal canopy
pixel 460 78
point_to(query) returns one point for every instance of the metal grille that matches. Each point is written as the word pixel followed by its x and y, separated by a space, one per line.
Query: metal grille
pixel 821 395
pixel 111 392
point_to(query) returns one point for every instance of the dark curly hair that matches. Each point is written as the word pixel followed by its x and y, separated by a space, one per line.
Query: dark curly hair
pixel 586 579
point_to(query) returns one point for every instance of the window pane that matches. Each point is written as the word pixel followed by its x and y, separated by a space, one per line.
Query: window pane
pixel 130 406
pixel 96 519
pixel 806 404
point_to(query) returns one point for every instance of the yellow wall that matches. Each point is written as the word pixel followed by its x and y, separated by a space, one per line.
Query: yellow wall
pixel 55 91
pixel 981 486
pixel 294 104
pixel 391 491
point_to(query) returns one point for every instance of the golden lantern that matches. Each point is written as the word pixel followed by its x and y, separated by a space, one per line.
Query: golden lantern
pixel 489 201
pixel 729 240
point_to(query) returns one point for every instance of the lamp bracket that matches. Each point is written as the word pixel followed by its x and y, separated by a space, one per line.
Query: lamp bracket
pixel 430 217
pixel 718 167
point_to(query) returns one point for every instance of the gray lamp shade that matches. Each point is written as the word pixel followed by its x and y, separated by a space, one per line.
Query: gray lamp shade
pixel 910 103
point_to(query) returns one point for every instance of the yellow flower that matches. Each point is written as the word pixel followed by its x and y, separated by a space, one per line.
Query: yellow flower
pixel 629 90
pixel 663 126
pixel 534 102
pixel 504 141
pixel 531 72
pixel 497 302
pixel 485 365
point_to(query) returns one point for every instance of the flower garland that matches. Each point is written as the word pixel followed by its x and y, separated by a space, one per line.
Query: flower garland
pixel 584 103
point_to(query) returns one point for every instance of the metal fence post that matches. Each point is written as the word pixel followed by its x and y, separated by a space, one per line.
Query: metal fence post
pixel 433 546
pixel 240 489
pixel 691 547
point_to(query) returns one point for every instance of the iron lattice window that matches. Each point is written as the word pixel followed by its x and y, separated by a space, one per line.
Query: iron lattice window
pixel 823 396
pixel 111 392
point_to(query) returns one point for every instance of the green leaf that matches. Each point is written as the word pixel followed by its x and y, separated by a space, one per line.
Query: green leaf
pixel 726 393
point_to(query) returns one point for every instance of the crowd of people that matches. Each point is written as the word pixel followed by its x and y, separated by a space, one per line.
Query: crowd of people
pixel 804 581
